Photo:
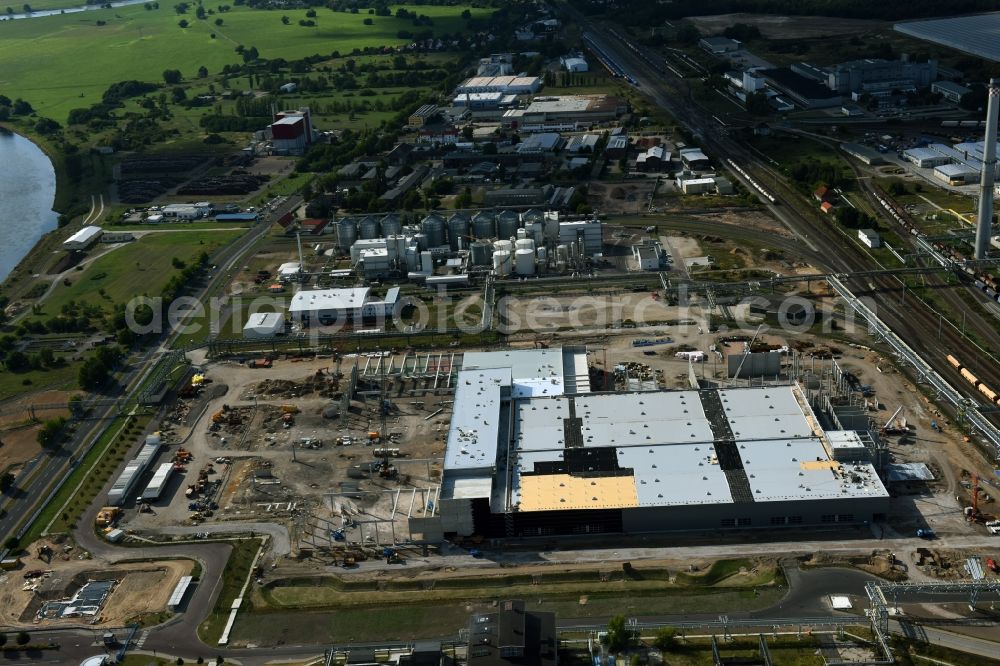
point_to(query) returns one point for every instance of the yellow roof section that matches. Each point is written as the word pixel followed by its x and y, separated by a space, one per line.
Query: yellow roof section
pixel 819 464
pixel 547 492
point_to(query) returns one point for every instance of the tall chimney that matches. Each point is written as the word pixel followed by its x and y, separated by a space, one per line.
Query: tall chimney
pixel 984 223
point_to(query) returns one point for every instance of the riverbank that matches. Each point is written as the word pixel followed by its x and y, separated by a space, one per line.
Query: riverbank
pixel 71 203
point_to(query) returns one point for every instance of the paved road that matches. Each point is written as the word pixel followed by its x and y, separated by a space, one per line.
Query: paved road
pixel 54 465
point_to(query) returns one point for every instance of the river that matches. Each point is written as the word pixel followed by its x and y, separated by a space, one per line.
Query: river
pixel 69 10
pixel 27 191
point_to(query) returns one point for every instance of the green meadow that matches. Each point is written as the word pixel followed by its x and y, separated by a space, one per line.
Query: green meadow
pixel 63 62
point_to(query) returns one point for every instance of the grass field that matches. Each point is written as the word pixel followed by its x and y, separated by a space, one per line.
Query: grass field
pixel 140 267
pixel 233 578
pixel 39 58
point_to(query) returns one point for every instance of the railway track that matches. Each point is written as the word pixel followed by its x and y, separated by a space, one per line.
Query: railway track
pixel 910 317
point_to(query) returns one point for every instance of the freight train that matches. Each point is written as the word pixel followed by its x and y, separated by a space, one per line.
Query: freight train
pixel 757 186
pixel 990 394
pixel 984 281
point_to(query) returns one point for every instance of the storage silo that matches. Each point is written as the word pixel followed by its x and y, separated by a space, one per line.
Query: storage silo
pixel 369 227
pixel 501 263
pixel 484 224
pixel 524 262
pixel 503 244
pixel 392 225
pixel 433 227
pixel 458 231
pixel 480 252
pixel 507 223
pixel 524 244
pixel 542 255
pixel 347 233
pixel 562 253
pixel 537 231
pixel 421 241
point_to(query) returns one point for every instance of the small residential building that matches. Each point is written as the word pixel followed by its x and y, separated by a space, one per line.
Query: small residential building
pixel 826 207
pixel 186 211
pixel 719 45
pixel 951 91
pixel 289 87
pixel 543 142
pixel 617 146
pixel 869 238
pixel 821 193
pixel 83 238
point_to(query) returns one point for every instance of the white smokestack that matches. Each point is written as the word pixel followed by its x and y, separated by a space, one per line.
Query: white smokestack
pixel 984 224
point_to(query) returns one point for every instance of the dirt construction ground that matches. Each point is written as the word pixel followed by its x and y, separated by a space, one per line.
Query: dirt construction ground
pixel 143 587
pixel 260 469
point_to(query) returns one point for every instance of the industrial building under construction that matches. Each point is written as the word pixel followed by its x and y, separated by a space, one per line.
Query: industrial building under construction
pixel 532 452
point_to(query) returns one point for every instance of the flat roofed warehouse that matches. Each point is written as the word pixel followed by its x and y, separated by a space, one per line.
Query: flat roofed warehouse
pixel 569 461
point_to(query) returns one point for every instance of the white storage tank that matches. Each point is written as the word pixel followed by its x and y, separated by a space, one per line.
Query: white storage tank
pixel 524 262
pixel 522 233
pixel 503 245
pixel 501 263
pixel 525 244
pixel 562 253
pixel 542 254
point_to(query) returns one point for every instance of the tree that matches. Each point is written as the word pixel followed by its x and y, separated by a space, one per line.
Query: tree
pixel 665 637
pixel 178 94
pixel 172 76
pixel 48 436
pixel 286 20
pixel 183 23
pixel 203 71
pixel 619 636
pixel 22 638
pixel 219 21
pixel 47 357
pixel 369 21
pixel 6 483
pixel 17 361
pixel 200 13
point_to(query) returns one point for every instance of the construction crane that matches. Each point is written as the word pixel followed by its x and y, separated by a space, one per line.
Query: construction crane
pixel 386 469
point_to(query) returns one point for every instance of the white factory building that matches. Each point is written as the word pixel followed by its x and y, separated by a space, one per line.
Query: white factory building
pixel 338 306
pixel 508 85
pixel 532 452
pixel 264 325
pixel 83 238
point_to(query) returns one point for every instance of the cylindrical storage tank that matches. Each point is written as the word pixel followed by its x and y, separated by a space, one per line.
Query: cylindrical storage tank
pixel 543 257
pixel 426 262
pixel 560 266
pixel 484 225
pixel 501 262
pixel 392 225
pixel 503 245
pixel 537 231
pixel 524 262
pixel 481 252
pixel 368 228
pixel 525 244
pixel 458 232
pixel 507 224
pixel 433 228
pixel 421 241
pixel 562 253
pixel 347 233
pixel 522 233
